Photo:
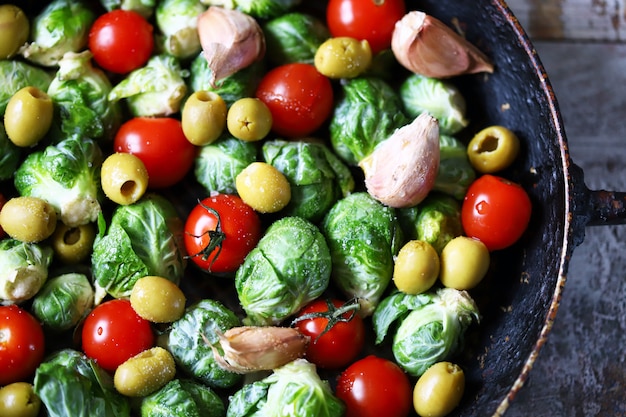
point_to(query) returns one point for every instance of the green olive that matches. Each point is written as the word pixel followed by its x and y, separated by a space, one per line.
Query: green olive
pixel 28 116
pixel 19 400
pixel 157 299
pixel 124 178
pixel 203 117
pixel 493 149
pixel 416 267
pixel 73 245
pixel 14 30
pixel 343 57
pixel 249 119
pixel 263 187
pixel 145 372
pixel 439 390
pixel 464 263
pixel 29 219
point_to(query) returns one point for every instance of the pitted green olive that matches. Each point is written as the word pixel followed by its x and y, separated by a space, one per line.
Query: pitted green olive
pixel 124 178
pixel 19 400
pixel 145 372
pixel 464 263
pixel 29 219
pixel 263 187
pixel 157 299
pixel 203 117
pixel 72 245
pixel 28 116
pixel 249 119
pixel 439 390
pixel 343 57
pixel 493 149
pixel 416 267
pixel 14 29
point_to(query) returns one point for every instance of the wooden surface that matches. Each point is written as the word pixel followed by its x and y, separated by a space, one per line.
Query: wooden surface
pixel 581 371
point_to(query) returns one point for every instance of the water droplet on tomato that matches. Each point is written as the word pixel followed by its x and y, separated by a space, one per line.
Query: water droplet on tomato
pixel 482 207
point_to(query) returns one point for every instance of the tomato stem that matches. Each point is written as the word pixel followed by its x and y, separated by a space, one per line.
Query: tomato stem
pixel 333 314
pixel 216 239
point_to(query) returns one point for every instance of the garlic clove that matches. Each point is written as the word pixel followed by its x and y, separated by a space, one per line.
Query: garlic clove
pixel 231 40
pixel 401 170
pixel 427 46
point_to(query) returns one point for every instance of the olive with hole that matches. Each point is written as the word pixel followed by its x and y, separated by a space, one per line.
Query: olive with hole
pixel 157 299
pixel 263 187
pixel 145 372
pixel 203 117
pixel 28 116
pixel 439 390
pixel 493 149
pixel 73 245
pixel 249 119
pixel 28 219
pixel 416 267
pixel 14 30
pixel 19 400
pixel 343 57
pixel 464 263
pixel 124 178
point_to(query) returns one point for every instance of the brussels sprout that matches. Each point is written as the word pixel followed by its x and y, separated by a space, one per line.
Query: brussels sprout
pixel 218 164
pixel 183 398
pixel 289 267
pixel 63 26
pixel 10 155
pixel 190 340
pixel 455 170
pixel 264 9
pixel 15 75
pixel 143 7
pixel 144 238
pixel 66 175
pixel 241 84
pixel 178 22
pixel 317 177
pixel 368 111
pixel 70 384
pixel 436 220
pixel 79 91
pixel 63 301
pixel 294 37
pixel 295 386
pixel 156 89
pixel 439 98
pixel 363 236
pixel 23 269
pixel 430 328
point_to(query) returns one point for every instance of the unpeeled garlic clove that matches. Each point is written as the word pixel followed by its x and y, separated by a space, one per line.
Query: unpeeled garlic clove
pixel 231 40
pixel 425 45
pixel 250 348
pixel 401 170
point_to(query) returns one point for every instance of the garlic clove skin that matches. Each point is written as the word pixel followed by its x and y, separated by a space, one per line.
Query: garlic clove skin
pixel 402 170
pixel 427 46
pixel 249 349
pixel 231 40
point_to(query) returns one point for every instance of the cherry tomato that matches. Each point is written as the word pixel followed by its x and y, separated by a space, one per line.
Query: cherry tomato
pixel 299 98
pixel 113 332
pixel 495 211
pixel 21 344
pixel 374 387
pixel 161 145
pixel 336 330
pixel 372 20
pixel 220 231
pixel 121 41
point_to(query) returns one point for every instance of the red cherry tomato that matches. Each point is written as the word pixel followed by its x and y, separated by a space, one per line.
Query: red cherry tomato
pixel 336 338
pixel 495 211
pixel 21 344
pixel 372 20
pixel 299 98
pixel 113 332
pixel 220 231
pixel 161 145
pixel 121 41
pixel 374 387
